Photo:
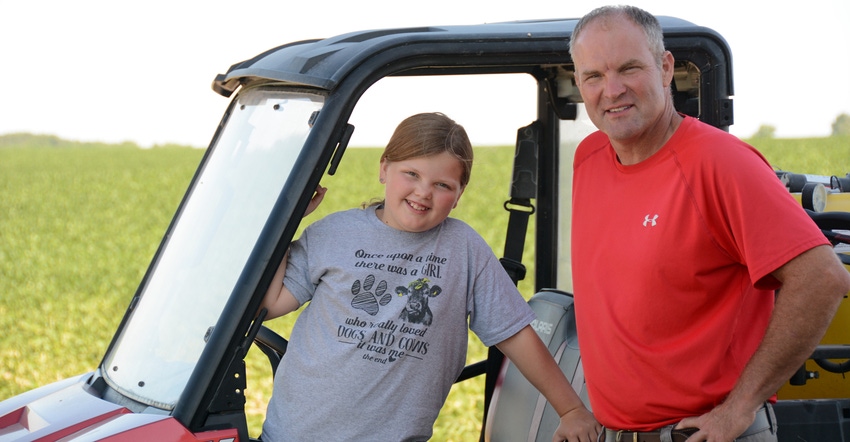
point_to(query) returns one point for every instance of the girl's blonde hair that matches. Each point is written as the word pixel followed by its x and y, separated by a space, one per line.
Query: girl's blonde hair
pixel 428 134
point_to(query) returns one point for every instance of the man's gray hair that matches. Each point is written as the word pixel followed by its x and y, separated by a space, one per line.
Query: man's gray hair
pixel 645 20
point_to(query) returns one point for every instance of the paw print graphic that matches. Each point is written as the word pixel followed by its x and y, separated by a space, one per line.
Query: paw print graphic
pixel 365 299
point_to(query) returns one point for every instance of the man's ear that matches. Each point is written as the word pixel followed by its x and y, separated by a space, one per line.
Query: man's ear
pixel 667 68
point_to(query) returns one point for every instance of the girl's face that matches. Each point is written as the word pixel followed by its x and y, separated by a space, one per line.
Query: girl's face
pixel 420 192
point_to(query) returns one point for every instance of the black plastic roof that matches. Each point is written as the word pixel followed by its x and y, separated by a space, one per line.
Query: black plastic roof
pixel 325 63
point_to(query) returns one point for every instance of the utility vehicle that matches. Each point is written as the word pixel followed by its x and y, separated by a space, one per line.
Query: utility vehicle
pixel 175 368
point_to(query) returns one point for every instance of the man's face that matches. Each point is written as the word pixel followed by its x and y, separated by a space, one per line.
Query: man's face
pixel 624 90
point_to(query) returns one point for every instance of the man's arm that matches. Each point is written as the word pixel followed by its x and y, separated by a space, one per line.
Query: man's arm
pixel 813 285
pixel 530 355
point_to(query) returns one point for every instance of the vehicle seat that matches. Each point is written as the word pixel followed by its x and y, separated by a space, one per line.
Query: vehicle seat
pixel 518 412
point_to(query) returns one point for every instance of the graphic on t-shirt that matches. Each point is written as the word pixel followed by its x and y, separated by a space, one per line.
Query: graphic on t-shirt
pixel 417 310
pixel 386 336
pixel 365 299
pixel 387 341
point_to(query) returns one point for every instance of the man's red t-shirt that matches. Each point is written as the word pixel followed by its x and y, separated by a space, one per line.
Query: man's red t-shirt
pixel 672 262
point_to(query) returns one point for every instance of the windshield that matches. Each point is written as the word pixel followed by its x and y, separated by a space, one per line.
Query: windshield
pixel 209 245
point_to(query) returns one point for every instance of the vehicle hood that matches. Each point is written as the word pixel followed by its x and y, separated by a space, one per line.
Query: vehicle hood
pixel 55 411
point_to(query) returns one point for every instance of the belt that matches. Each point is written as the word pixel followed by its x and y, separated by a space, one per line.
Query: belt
pixel 668 434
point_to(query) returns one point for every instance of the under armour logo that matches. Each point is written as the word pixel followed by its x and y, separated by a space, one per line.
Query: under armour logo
pixel 651 222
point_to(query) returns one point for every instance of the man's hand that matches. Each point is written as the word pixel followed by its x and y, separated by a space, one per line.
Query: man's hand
pixel 722 424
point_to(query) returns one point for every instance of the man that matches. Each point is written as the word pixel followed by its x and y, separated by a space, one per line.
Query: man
pixel 681 236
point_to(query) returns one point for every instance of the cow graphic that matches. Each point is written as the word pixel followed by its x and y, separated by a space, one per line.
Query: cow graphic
pixel 417 311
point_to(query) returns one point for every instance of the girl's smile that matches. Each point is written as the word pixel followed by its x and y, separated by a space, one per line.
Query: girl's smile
pixel 420 192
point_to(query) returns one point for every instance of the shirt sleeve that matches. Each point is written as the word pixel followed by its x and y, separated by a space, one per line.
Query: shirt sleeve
pixel 297 278
pixel 498 310
pixel 764 226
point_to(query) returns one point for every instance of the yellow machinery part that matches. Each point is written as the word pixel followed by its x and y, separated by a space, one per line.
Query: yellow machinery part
pixel 827 385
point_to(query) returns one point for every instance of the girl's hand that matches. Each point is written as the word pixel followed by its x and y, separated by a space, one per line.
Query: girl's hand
pixel 578 425
pixel 316 200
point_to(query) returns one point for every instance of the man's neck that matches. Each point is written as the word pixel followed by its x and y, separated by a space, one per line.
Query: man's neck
pixel 633 152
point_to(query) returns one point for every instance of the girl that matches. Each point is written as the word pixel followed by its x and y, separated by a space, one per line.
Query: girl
pixel 392 290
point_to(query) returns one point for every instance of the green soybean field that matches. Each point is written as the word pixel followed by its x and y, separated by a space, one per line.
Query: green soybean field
pixel 80 223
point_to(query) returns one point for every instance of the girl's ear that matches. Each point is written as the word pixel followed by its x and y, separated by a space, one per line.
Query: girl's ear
pixel 457 200
pixel 382 172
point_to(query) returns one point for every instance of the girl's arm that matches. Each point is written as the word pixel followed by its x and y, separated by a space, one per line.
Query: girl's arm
pixel 530 355
pixel 278 299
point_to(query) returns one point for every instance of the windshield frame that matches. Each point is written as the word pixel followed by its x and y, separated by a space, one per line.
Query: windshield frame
pixel 211 247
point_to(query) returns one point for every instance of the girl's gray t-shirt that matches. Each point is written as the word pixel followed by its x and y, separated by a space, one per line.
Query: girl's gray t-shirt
pixel 376 350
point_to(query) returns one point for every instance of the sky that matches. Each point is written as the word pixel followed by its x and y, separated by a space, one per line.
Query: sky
pixel 110 71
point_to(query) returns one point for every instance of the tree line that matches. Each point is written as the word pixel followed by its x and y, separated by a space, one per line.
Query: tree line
pixel 840 127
